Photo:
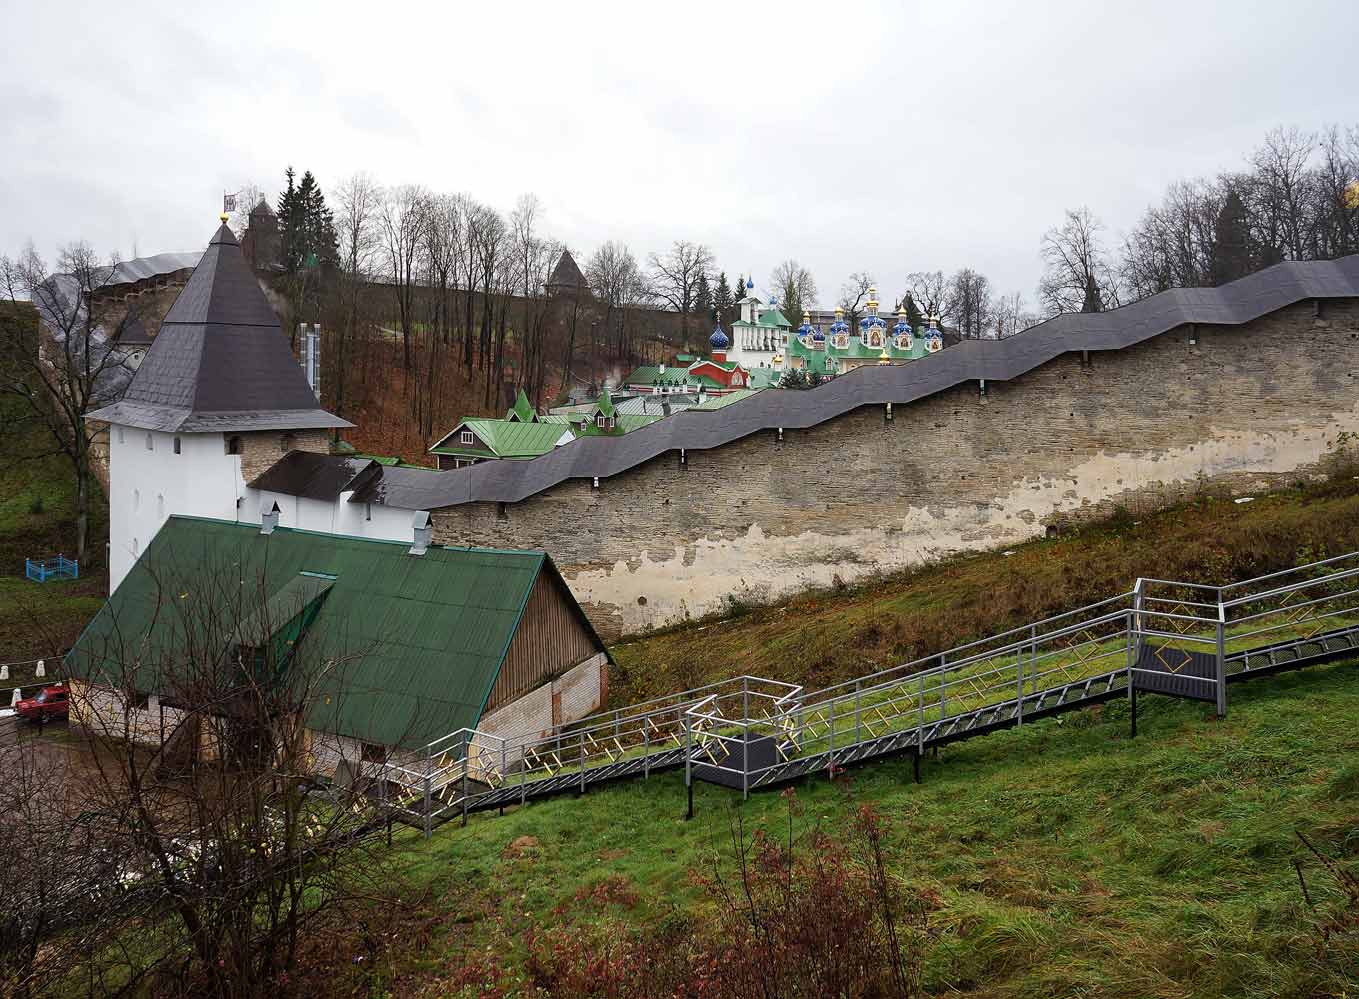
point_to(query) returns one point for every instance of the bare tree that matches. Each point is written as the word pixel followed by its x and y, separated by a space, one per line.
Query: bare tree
pixel 614 277
pixel 929 290
pixel 1283 199
pixel 970 308
pixel 854 293
pixel 675 278
pixel 60 358
pixel 1012 316
pixel 227 849
pixel 247 199
pixel 1078 276
pixel 796 288
pixel 358 209
pixel 403 220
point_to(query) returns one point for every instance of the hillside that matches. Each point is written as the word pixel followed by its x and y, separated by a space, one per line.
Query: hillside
pixel 37 519
pixel 1060 859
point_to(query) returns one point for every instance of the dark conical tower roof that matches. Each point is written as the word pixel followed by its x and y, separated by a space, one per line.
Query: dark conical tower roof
pixel 567 274
pixel 220 361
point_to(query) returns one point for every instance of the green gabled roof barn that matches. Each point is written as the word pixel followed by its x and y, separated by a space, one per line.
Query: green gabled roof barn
pixel 418 643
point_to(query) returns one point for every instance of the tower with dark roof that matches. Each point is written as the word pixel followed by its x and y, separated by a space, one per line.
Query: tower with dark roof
pixel 216 400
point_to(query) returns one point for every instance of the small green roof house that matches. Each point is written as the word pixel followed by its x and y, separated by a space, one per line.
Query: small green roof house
pixel 396 645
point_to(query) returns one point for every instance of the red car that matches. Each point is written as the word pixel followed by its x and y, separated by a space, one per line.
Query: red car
pixel 50 702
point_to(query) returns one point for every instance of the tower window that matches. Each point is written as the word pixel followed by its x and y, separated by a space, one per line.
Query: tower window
pixel 286 443
pixel 233 445
pixel 150 442
pixel 176 445
pixel 136 500
pixel 122 435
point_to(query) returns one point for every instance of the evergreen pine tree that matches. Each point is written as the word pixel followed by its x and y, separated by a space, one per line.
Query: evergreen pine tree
pixel 1094 300
pixel 722 298
pixel 703 297
pixel 306 225
pixel 290 223
pixel 1231 241
pixel 913 316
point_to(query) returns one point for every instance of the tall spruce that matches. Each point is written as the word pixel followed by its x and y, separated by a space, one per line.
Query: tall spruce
pixel 1231 241
pixel 306 225
pixel 722 298
pixel 703 297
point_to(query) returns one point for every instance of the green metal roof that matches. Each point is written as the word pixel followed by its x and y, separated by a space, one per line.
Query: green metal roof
pixel 522 410
pixel 417 641
pixel 723 401
pixel 605 404
pixel 773 317
pixel 503 439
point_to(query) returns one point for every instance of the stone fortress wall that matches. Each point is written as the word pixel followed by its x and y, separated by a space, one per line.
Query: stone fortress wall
pixel 1231 408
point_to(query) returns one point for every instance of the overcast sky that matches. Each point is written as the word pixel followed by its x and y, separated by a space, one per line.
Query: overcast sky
pixel 883 137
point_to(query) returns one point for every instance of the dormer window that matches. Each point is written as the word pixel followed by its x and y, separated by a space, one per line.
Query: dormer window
pixel 467 437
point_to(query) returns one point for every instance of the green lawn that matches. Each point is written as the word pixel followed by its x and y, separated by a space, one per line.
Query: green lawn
pixel 1070 859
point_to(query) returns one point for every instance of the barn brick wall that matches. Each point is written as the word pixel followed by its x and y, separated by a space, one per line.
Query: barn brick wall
pixel 1234 409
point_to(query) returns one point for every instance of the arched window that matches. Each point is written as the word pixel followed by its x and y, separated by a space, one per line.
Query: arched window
pixel 233 444
pixel 150 442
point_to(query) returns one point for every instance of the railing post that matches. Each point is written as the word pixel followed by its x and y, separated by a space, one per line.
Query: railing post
pixel 920 725
pixel 1220 666
pixel 646 749
pixel 745 697
pixel 1134 648
pixel 581 737
pixel 830 735
pixel 858 716
pixel 1019 688
pixel 429 795
pixel 523 773
pixel 688 766
pixel 943 682
pixel 745 761
pixel 466 768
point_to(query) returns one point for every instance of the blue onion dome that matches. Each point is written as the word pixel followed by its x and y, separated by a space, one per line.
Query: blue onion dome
pixel 750 284
pixel 839 326
pixel 719 341
pixel 805 331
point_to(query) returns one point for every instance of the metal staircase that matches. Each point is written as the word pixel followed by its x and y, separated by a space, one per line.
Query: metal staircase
pixel 748 733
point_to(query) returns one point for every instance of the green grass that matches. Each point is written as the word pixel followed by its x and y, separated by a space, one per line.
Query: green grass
pixel 37 519
pixel 1070 859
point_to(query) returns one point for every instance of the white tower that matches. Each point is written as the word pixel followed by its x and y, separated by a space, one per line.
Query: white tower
pixel 217 399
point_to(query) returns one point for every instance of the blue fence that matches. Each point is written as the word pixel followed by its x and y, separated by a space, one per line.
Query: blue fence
pixel 58 567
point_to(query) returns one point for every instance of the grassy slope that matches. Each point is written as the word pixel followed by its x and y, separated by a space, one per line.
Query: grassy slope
pixel 828 636
pixel 41 620
pixel 1070 859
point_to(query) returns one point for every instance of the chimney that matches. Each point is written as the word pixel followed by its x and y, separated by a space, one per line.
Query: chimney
pixel 269 520
pixel 310 335
pixel 424 531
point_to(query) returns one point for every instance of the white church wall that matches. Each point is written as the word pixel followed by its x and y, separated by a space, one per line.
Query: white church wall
pixel 149 481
